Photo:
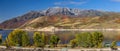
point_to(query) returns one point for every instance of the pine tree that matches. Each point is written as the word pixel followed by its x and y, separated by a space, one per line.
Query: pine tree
pixel 97 39
pixel 25 40
pixel 0 38
pixel 73 43
pixel 54 40
pixel 113 44
pixel 39 40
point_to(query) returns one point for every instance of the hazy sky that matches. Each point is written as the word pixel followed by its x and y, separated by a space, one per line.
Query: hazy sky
pixel 14 8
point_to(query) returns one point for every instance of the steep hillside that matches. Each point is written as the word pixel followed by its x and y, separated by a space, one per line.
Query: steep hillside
pixel 60 17
pixel 20 20
pixel 67 22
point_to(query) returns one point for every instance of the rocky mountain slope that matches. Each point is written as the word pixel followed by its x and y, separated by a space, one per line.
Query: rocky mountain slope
pixel 63 18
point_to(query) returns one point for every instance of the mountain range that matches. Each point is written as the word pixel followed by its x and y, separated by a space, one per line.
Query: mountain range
pixel 64 18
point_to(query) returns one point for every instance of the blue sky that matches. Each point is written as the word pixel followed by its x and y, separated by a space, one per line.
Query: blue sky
pixel 14 8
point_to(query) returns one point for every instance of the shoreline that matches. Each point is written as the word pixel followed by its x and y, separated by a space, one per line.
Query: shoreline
pixel 3 48
pixel 52 30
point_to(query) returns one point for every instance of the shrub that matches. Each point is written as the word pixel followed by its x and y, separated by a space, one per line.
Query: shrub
pixel 18 38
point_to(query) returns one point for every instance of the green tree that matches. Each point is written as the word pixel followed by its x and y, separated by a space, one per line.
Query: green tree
pixel 114 44
pixel 18 37
pixel 97 39
pixel 54 40
pixel 84 39
pixel 39 39
pixel 73 43
pixel 87 39
pixel 25 40
pixel 0 38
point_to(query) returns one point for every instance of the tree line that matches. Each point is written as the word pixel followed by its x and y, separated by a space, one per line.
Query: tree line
pixel 85 40
pixel 88 40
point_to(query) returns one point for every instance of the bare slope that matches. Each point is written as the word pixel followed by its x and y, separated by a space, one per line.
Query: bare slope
pixel 64 18
pixel 67 22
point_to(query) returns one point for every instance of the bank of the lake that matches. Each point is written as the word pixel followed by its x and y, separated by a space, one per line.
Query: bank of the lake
pixel 3 48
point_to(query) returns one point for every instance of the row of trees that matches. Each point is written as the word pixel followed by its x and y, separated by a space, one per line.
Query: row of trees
pixel 21 38
pixel 90 40
pixel 40 40
pixel 86 39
